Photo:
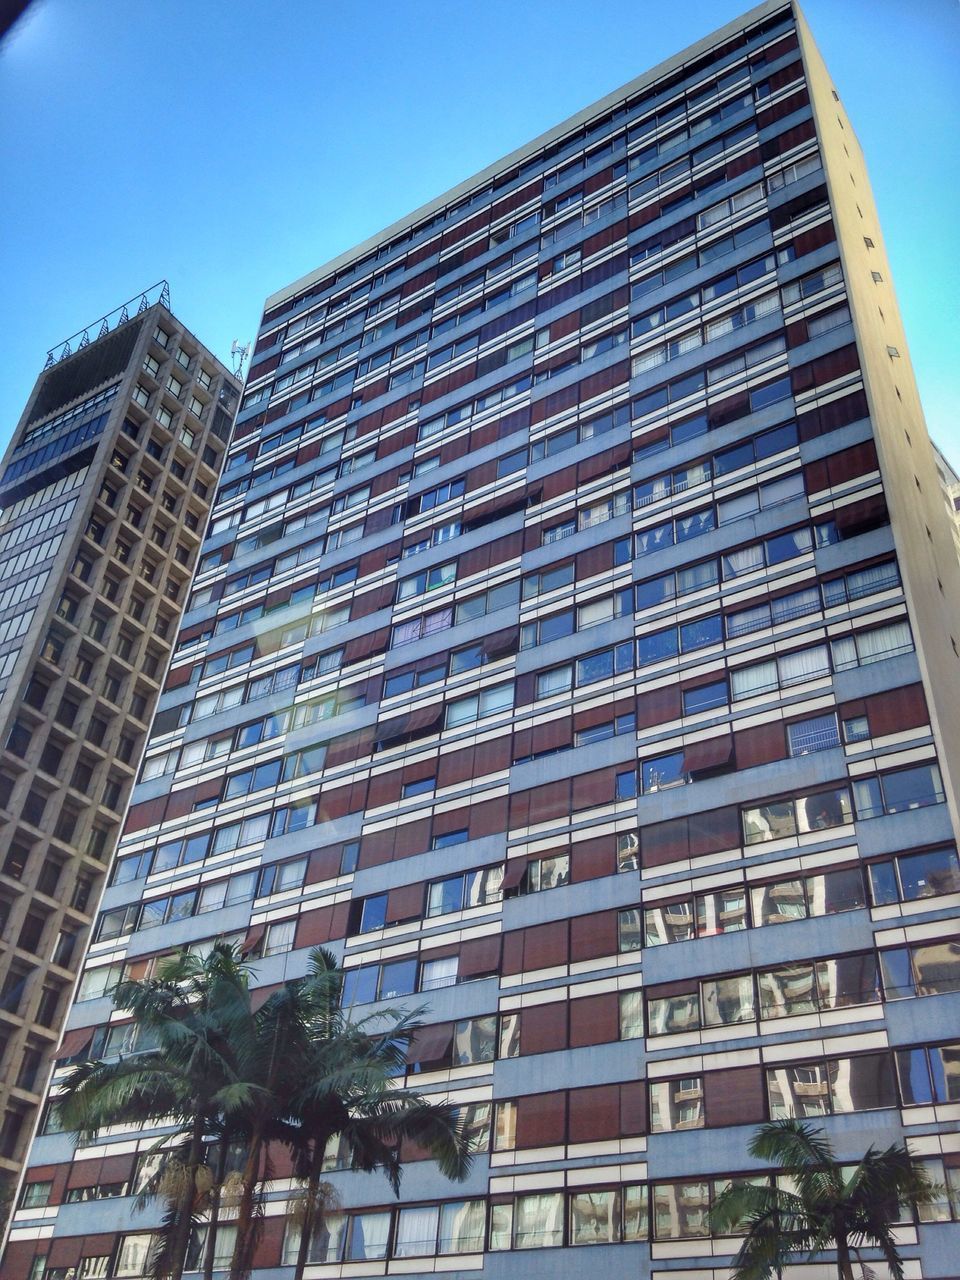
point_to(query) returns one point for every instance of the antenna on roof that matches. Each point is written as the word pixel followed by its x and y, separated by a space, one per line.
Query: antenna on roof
pixel 239 355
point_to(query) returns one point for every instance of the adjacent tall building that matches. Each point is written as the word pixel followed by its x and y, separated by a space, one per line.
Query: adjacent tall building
pixel 574 651
pixel 104 495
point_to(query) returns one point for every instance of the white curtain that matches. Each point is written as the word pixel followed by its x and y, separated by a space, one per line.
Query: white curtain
pixel 696 576
pixel 805 664
pixel 416 1232
pixel 461 1227
pixel 745 560
pixel 368 1236
pixel 747 681
pixel 874 645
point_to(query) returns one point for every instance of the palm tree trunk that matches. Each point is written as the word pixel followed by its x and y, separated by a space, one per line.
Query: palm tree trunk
pixel 242 1258
pixel 309 1223
pixel 844 1264
pixel 210 1246
pixel 184 1221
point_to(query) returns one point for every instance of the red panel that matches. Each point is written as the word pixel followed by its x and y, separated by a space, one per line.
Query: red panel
pixel 594 935
pixel 314 928
pixel 593 859
pixel 760 745
pixel 545 945
pixel 858 517
pixel 713 831
pixel 849 464
pixel 594 1020
pixel 541 1119
pixel 659 706
pixel 664 842
pixel 404 903
pixel 146 814
pixel 412 838
pixel 376 847
pixel 633 1108
pixel 512 961
pixel 269 1248
pixel 707 753
pixel 479 956
pixel 595 788
pixel 543 1028
pixel 896 710
pixel 487 818
pixel 735 1096
pixel 552 800
pixel 179 676
pixel 18 1258
pixel 594 1113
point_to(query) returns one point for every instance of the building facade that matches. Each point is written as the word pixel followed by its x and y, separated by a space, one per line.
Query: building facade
pixel 104 494
pixel 950 487
pixel 573 650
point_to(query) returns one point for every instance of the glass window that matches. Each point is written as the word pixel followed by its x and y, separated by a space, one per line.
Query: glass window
pixel 397 978
pixel 676 1104
pixel 368 1236
pixel 663 772
pixel 788 991
pixel 705 697
pixel 595 1217
pixel 723 912
pixel 669 1015
pixel 728 1000
pixel 538 1221
pixel 461 1227
pixel 819 733
pixel 926 875
pixel 416 1232
pixel 680 1210
pixel 631 1015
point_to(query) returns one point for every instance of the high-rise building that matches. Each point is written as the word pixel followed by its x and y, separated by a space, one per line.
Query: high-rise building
pixel 574 651
pixel 950 487
pixel 104 493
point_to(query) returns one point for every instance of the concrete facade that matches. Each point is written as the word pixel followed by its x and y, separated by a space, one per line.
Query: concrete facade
pixel 571 650
pixel 104 494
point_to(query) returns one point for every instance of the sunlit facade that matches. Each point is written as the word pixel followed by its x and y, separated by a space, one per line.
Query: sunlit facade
pixel 573 650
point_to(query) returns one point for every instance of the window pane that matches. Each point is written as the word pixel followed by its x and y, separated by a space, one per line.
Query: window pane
pixel 937 967
pixel 680 1210
pixel 672 1014
pixel 538 1221
pixel 461 1227
pixel 924 875
pixel 724 912
pixel 416 1231
pixel 595 1217
pixel 728 1000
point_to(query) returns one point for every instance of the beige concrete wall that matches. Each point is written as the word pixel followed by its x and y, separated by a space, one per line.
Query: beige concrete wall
pixel 918 517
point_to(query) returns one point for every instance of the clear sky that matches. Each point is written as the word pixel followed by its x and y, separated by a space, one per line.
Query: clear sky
pixel 233 145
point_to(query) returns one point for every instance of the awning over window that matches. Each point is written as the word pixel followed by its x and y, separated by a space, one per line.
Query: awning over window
pixel 514 873
pixel 74 1042
pixel 867 511
pixel 414 722
pixel 479 956
pixel 502 643
pixel 253 939
pixel 707 753
pixel 430 1044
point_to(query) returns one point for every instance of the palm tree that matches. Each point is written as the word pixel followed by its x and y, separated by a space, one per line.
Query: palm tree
pixel 346 1093
pixel 190 1018
pixel 831 1205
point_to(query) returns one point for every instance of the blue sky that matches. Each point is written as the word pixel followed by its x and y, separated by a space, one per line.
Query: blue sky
pixel 233 145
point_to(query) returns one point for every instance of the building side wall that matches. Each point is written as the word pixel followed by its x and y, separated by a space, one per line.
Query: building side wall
pixel 921 527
